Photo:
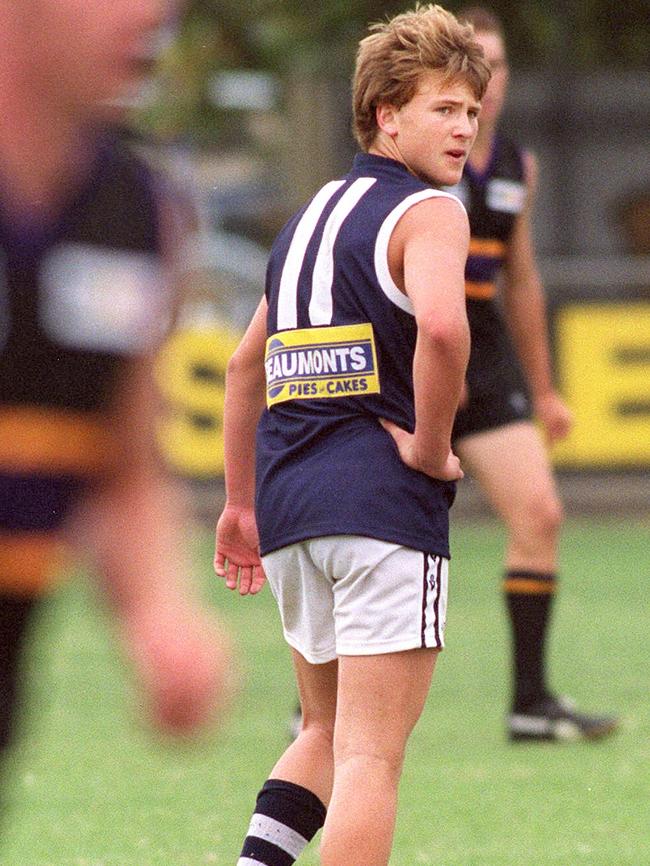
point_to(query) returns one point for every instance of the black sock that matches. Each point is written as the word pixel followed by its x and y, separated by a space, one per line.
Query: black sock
pixel 529 595
pixel 286 818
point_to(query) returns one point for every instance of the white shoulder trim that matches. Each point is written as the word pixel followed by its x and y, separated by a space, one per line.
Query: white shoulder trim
pixel 382 270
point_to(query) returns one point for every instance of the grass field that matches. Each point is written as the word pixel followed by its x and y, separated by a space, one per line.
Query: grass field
pixel 88 787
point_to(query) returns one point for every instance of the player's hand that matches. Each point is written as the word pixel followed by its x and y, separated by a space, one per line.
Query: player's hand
pixel 182 658
pixel 554 416
pixel 446 469
pixel 237 551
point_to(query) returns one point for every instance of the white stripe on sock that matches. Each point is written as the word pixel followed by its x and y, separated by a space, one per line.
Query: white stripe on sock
pixel 278 834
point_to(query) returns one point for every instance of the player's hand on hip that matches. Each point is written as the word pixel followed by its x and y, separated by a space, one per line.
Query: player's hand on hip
pixel 449 470
pixel 237 551
pixel 554 415
pixel 445 469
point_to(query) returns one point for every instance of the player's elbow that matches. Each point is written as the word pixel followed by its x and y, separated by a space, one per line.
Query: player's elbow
pixel 241 363
pixel 245 375
pixel 446 333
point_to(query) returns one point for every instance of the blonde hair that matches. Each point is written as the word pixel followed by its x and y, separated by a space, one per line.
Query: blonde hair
pixel 391 60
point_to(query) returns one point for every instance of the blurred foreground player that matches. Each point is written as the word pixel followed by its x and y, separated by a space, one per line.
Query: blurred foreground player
pixel 494 434
pixel 83 306
pixel 366 342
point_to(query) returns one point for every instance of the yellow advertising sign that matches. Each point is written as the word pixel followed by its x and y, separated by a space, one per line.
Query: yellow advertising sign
pixel 191 373
pixel 603 360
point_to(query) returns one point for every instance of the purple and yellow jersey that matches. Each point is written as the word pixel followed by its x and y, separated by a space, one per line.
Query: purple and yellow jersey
pixel 79 297
pixel 493 199
pixel 339 356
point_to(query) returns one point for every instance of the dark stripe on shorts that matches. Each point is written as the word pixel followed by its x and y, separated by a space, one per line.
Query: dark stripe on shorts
pixel 425 590
pixel 436 604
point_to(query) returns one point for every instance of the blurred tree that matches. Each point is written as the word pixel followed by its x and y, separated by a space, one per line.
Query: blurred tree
pixel 271 32
pixel 280 36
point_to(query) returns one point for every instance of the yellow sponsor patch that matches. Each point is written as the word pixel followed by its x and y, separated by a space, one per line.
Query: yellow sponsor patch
pixel 317 363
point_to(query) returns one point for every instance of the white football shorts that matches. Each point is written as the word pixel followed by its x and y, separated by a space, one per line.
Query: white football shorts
pixel 351 595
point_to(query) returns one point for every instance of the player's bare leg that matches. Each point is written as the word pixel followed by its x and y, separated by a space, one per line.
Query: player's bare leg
pixel 309 760
pixel 380 698
pixel 291 807
pixel 512 467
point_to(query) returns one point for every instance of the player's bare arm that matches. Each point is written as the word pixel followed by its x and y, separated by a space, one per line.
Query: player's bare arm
pixel 525 310
pixel 427 256
pixel 237 548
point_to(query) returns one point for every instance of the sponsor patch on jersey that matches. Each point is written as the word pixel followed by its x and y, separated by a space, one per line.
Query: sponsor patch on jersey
pixel 505 196
pixel 103 300
pixel 318 363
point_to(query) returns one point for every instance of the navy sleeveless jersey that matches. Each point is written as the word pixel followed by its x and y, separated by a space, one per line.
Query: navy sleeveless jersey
pixel 339 356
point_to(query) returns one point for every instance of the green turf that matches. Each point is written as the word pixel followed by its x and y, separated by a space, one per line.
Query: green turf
pixel 88 787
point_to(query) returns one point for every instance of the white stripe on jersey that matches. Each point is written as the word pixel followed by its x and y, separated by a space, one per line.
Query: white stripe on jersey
pixel 288 291
pixel 382 270
pixel 321 303
pixel 278 834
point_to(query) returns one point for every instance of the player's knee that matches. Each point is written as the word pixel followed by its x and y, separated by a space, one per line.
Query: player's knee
pixel 383 749
pixel 366 761
pixel 548 516
pixel 320 730
pixel 538 519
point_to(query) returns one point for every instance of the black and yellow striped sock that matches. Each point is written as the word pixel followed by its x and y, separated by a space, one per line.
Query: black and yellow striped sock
pixel 529 595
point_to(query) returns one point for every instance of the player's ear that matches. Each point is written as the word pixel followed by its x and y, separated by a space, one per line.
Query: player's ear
pixel 386 116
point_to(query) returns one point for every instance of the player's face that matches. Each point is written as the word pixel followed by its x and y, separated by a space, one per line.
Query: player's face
pixel 494 97
pixel 434 132
pixel 90 51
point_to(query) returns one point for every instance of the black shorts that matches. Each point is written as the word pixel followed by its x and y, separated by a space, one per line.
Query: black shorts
pixel 496 388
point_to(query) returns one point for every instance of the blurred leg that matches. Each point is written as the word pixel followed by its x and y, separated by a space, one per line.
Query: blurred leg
pixel 15 616
pixel 380 698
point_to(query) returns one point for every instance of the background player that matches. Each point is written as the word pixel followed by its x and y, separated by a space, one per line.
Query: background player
pixel 494 434
pixel 83 306
pixel 365 327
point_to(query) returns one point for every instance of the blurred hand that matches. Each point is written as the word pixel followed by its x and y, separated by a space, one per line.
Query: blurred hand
pixel 183 660
pixel 237 551
pixel 554 416
pixel 447 469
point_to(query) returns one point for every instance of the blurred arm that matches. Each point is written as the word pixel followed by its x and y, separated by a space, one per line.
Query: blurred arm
pixel 133 525
pixel 525 310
